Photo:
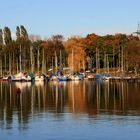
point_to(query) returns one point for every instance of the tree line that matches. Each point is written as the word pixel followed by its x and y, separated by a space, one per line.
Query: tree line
pixel 26 52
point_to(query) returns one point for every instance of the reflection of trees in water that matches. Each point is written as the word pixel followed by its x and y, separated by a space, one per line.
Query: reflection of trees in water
pixel 14 106
pixel 24 101
pixel 114 97
pixel 110 97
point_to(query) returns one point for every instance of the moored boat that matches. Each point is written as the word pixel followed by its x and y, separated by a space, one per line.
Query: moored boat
pixel 63 78
pixel 22 77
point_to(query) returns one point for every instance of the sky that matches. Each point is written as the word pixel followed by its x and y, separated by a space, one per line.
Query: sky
pixel 71 17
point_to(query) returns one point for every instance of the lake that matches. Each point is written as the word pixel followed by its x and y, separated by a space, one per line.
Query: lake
pixel 78 110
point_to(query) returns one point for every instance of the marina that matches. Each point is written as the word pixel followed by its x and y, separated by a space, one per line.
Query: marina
pixel 70 70
pixel 21 77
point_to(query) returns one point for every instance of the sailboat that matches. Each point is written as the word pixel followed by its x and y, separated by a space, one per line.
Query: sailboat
pixel 39 78
pixel 63 78
pixel 106 76
pixel 21 77
pixel 72 76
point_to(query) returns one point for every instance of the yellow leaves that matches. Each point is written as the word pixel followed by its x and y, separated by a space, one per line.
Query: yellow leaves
pixel 78 52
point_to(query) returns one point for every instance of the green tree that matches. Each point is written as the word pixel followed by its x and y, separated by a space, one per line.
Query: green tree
pixel 18 33
pixel 7 40
pixel 1 37
pixel 23 32
pixel 7 35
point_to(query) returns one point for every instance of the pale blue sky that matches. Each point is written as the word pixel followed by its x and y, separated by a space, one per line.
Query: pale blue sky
pixel 71 17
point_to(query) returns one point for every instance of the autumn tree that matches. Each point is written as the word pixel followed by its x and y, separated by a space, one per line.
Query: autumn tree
pixel 54 52
pixel 133 55
pixel 75 53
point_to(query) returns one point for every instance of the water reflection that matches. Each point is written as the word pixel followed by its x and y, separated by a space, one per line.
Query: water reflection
pixel 22 102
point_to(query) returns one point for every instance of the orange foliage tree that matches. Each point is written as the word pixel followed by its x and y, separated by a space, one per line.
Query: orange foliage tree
pixel 75 44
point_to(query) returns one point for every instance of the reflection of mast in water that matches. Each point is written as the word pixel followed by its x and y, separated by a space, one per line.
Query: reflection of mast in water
pixel 5 105
pixel 73 102
pixel 114 96
pixel 38 97
pixel 56 96
pixel 44 96
pixel 21 114
pixel 1 90
pixel 121 95
pixel 119 91
pixel 10 95
pixel 127 91
pixel 106 96
pixel 61 96
pixel 32 99
pixel 108 93
pixel 98 95
pixel 84 90
pixel 122 91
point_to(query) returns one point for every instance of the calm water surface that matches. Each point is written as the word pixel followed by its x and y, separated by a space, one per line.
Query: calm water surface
pixel 84 110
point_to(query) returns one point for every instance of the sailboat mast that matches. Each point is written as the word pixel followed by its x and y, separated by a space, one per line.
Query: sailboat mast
pixel 122 59
pixel 107 64
pixel 104 62
pixel 60 60
pixel 20 59
pixel 52 65
pixel 55 62
pixel 72 60
pixel 96 60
